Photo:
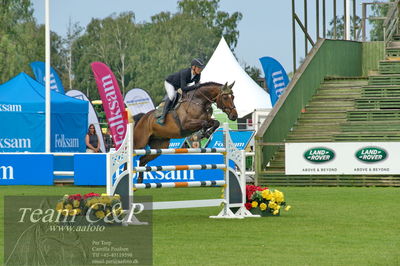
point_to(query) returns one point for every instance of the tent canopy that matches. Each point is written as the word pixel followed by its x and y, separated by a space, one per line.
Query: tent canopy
pixel 22 116
pixel 29 93
pixel 223 67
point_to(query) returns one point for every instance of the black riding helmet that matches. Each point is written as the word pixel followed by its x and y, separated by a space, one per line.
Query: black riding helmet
pixel 197 62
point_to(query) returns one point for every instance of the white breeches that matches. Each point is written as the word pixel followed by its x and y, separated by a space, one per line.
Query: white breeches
pixel 170 90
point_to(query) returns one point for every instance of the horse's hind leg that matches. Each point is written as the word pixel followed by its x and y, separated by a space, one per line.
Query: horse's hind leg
pixel 154 144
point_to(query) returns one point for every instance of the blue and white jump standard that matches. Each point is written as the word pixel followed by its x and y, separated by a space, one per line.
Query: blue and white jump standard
pixel 234 183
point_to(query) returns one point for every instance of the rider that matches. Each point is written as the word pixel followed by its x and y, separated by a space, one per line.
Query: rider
pixel 182 79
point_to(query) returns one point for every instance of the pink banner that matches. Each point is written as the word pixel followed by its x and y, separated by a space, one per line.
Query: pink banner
pixel 113 103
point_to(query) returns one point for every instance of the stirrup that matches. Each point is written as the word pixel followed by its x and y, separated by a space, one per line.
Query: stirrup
pixel 161 121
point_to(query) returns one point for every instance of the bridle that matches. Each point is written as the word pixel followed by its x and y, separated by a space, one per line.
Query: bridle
pixel 217 100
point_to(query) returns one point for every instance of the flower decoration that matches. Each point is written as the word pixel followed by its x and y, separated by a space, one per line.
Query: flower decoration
pixel 265 201
pixel 99 206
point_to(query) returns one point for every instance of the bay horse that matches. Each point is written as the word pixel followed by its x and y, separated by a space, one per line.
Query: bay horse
pixel 193 114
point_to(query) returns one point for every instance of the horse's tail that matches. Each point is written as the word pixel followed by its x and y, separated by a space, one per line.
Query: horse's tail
pixel 137 117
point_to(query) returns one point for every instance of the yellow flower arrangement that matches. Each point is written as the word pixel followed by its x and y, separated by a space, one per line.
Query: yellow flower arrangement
pixel 265 201
pixel 99 214
pixel 98 206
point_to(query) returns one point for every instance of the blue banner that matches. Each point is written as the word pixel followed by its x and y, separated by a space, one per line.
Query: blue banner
pixel 275 76
pixel 87 175
pixel 240 138
pixel 176 143
pixel 39 70
pixel 90 169
pixel 26 169
pixel 182 175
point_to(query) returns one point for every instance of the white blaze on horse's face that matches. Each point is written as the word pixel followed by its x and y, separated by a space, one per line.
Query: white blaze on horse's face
pixel 227 103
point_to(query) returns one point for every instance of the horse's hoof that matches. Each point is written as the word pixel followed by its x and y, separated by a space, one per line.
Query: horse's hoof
pixel 207 135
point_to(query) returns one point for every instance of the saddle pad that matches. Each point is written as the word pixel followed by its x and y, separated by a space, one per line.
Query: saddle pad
pixel 158 111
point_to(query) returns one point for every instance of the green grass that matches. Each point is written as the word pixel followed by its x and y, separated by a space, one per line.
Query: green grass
pixel 326 226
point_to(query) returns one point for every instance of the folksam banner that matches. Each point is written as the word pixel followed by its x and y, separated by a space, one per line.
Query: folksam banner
pixel 138 101
pixel 39 71
pixel 275 76
pixel 239 138
pixel 113 103
pixel 182 175
pixel 92 116
pixel 176 143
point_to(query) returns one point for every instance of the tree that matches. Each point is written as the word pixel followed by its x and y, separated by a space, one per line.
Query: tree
pixel 144 54
pixel 14 12
pixel 73 33
pixel 164 48
pixel 378 10
pixel 253 72
pixel 340 27
pixel 220 22
pixel 108 40
pixel 22 40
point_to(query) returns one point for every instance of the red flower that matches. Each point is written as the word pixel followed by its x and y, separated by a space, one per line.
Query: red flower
pixel 75 197
pixel 250 189
pixel 89 195
pixel 247 205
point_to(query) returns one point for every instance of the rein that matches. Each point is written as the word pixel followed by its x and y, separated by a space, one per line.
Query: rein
pixel 211 101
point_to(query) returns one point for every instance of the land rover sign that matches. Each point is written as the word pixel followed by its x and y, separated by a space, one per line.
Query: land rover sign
pixel 342 158
pixel 371 154
pixel 319 155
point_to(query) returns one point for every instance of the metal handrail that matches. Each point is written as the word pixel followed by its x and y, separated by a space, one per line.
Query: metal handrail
pixel 391 12
pixel 390 26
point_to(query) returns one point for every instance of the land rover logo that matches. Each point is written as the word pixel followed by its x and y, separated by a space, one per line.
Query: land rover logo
pixel 371 154
pixel 319 155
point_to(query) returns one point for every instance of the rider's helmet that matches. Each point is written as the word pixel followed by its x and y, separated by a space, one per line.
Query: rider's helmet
pixel 197 62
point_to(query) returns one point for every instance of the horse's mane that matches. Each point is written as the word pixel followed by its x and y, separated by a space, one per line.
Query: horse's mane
pixel 200 85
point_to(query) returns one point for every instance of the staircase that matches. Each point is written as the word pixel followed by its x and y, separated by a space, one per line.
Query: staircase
pixel 347 110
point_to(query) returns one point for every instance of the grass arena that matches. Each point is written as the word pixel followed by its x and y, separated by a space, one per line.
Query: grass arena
pixel 341 226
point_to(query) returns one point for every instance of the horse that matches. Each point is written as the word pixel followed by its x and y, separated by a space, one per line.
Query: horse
pixel 192 114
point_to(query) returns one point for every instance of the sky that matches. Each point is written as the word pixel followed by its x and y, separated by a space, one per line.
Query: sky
pixel 265 29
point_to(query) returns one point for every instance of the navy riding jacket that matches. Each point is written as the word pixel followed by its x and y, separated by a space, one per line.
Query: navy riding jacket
pixel 182 78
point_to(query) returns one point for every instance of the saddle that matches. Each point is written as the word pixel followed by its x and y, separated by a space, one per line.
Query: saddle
pixel 175 105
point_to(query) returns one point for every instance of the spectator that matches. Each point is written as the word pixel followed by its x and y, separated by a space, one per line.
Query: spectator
pixel 92 141
pixel 108 140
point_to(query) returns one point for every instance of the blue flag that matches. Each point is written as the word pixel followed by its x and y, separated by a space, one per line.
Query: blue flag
pixel 275 76
pixel 38 69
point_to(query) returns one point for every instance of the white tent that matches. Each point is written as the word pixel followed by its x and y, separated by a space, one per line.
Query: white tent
pixel 223 67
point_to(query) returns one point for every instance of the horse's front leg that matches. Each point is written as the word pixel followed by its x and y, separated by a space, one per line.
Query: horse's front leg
pixel 211 126
pixel 195 125
pixel 206 126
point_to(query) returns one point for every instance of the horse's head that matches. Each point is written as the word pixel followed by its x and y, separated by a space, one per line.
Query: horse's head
pixel 225 101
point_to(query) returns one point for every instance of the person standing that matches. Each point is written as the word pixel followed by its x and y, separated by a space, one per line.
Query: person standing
pixel 108 140
pixel 91 140
pixel 180 80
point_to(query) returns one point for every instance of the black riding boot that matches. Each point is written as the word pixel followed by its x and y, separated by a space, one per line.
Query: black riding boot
pixel 166 107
